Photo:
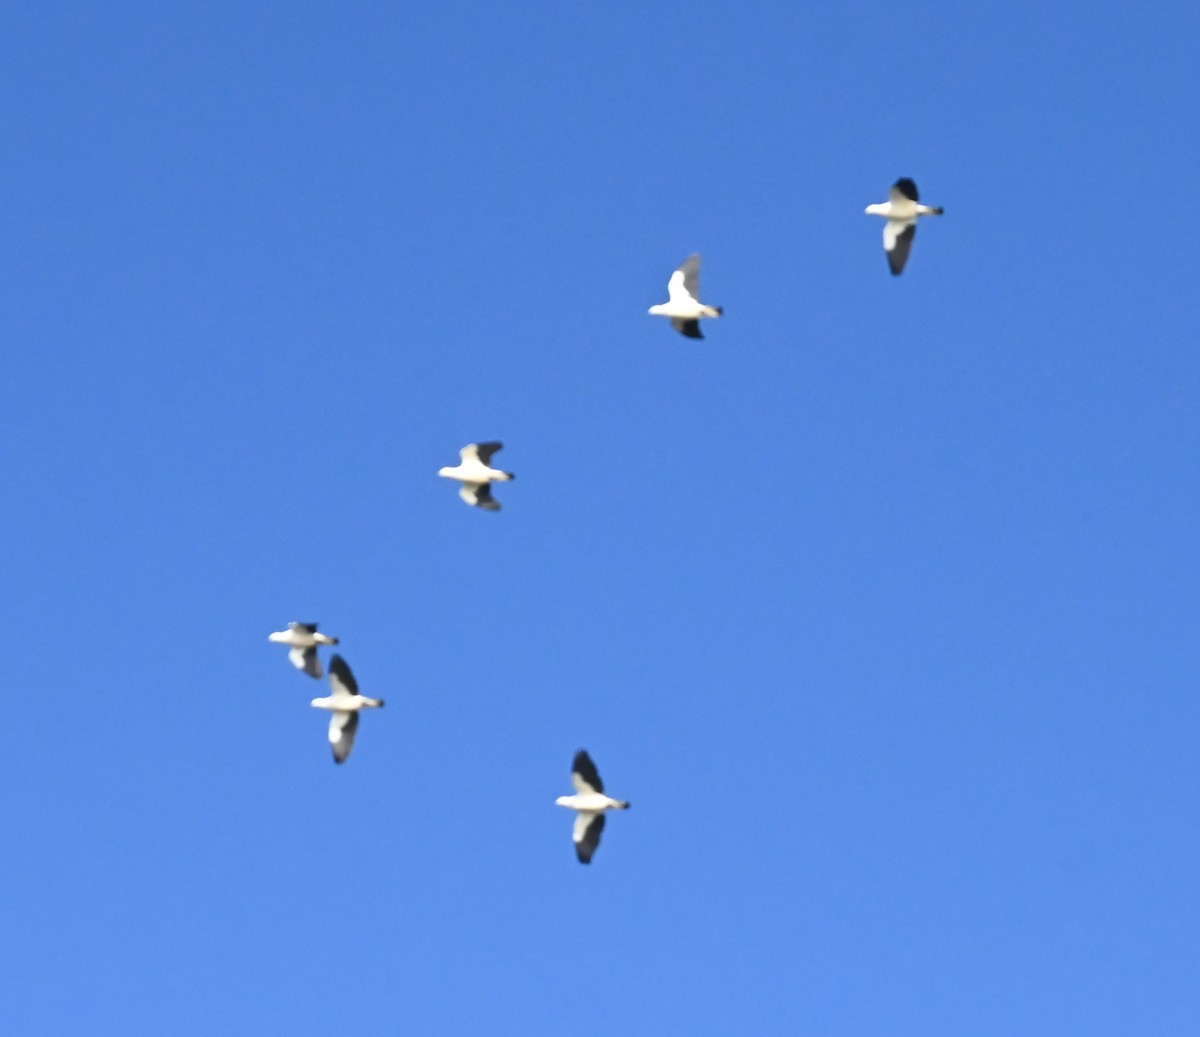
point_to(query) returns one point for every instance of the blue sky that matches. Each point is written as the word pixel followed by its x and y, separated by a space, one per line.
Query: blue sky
pixel 879 604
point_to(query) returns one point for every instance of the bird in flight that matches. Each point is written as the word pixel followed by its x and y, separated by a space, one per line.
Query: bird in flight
pixel 345 704
pixel 901 211
pixel 683 303
pixel 590 802
pixel 303 638
pixel 476 474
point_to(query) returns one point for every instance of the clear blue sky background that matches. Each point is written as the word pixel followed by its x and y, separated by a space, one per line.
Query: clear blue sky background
pixel 880 604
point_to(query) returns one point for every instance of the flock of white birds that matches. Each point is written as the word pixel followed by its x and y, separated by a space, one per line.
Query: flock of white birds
pixel 475 474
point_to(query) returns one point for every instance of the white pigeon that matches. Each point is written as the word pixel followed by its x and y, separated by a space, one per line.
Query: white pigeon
pixel 304 638
pixel 901 211
pixel 476 474
pixel 344 703
pixel 590 802
pixel 684 306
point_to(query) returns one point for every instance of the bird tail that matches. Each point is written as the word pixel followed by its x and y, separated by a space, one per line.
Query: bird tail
pixel 938 210
pixel 624 805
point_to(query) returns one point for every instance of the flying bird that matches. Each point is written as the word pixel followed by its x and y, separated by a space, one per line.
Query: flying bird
pixel 590 802
pixel 901 211
pixel 344 703
pixel 304 638
pixel 476 474
pixel 683 305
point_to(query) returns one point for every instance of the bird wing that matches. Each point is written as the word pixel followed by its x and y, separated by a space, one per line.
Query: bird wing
pixel 897 240
pixel 341 680
pixel 481 452
pixel 343 725
pixel 584 775
pixel 904 188
pixel 687 328
pixel 306 659
pixel 303 628
pixel 479 495
pixel 685 282
pixel 588 827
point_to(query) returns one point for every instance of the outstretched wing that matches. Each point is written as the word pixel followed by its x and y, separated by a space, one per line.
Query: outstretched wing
pixel 685 282
pixel 687 328
pixel 904 188
pixel 481 452
pixel 584 775
pixel 343 726
pixel 306 659
pixel 588 828
pixel 897 240
pixel 341 680
pixel 479 495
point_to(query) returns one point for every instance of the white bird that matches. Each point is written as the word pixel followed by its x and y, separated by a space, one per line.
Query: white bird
pixel 901 210
pixel 590 802
pixel 684 306
pixel 304 638
pixel 344 703
pixel 476 474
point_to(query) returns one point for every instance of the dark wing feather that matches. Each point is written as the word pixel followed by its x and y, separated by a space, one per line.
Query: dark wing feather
pixel 687 328
pixel 591 839
pixel 690 268
pixel 339 673
pixel 484 498
pixel 907 187
pixel 312 665
pixel 485 451
pixel 898 256
pixel 586 770
pixel 347 728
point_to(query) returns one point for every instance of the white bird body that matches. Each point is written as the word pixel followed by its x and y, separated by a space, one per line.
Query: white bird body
pixel 476 474
pixel 590 802
pixel 474 470
pixel 683 303
pixel 684 309
pixel 904 209
pixel 346 703
pixel 299 636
